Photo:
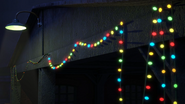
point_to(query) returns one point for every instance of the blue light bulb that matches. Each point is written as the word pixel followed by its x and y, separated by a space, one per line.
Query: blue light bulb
pixel 75 45
pixel 173 56
pixel 64 61
pixel 104 38
pixel 152 44
pixel 121 31
pixel 146 98
pixel 159 20
pixel 163 85
pixel 88 45
pixel 119 79
pixel 48 58
pixel 53 67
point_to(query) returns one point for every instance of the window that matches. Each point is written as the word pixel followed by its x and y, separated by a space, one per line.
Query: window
pixel 133 94
pixel 64 94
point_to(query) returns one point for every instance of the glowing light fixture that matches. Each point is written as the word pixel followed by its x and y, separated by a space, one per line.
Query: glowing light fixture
pixel 150 63
pixel 173 70
pixel 107 35
pixel 152 44
pixel 171 30
pixel 175 102
pixel 119 89
pixel 148 87
pixel 120 60
pixel 121 51
pixel 161 99
pixel 175 85
pixel 121 31
pixel 161 45
pixel 119 70
pixel 119 79
pixel 49 58
pixel 116 28
pixel 120 42
pixel 154 33
pixel 160 9
pixel 161 32
pixel 163 85
pixel 172 44
pixel 149 76
pixel 173 56
pixel 170 18
pixel 151 53
pixel 17 26
pixel 146 98
pixel 163 71
pixel 120 99
pixel 163 57
pixel 121 23
pixel 154 21
pixel 154 8
pixel 159 20
pixel 104 38
pixel 112 32
pixel 169 6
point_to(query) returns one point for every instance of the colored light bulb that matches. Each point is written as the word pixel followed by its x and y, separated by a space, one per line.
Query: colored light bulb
pixel 120 42
pixel 171 30
pixel 175 102
pixel 69 57
pixel 85 44
pixel 159 20
pixel 154 21
pixel 161 99
pixel 160 9
pixel 169 6
pixel 88 45
pixel 49 63
pixel 163 71
pixel 152 44
pixel 173 70
pixel 151 53
pixel 116 28
pixel 120 60
pixel 80 43
pixel 71 54
pixel 163 57
pixel 119 89
pixel 161 45
pixel 119 70
pixel 98 43
pixel 150 63
pixel 121 31
pixel 49 58
pixel 53 67
pixel 154 8
pixel 73 50
pixel 148 87
pixel 161 32
pixel 121 50
pixel 121 23
pixel 175 85
pixel 170 18
pixel 149 76
pixel 163 85
pixel 173 56
pixel 91 45
pixel 64 61
pixel 60 65
pixel 112 32
pixel 75 45
pixel 119 79
pixel 154 33
pixel 95 44
pixel 104 38
pixel 101 40
pixel 146 98
pixel 172 44
pixel 107 35
pixel 120 99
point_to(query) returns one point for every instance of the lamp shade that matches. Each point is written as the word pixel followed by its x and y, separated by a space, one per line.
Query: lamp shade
pixel 15 26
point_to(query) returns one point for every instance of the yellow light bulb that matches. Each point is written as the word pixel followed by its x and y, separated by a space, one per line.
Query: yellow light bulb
pixel 52 67
pixel 169 6
pixel 173 70
pixel 57 66
pixel 120 99
pixel 171 30
pixel 119 70
pixel 49 63
pixel 73 50
pixel 163 71
pixel 121 23
pixel 175 102
pixel 112 32
pixel 101 40
pixel 160 9
pixel 149 76
pixel 161 45
pixel 95 44
pixel 61 63
pixel 85 44
pixel 69 57
pixel 151 53
pixel 121 51
pixel 80 43
pixel 154 21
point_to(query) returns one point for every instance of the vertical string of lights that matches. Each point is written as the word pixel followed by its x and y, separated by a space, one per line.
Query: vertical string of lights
pixel 121 50
pixel 163 57
pixel 172 52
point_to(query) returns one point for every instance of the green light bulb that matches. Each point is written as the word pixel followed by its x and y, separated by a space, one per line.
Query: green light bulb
pixel 154 8
pixel 163 57
pixel 116 28
pixel 51 65
pixel 71 54
pixel 170 18
pixel 98 43
pixel 150 62
pixel 120 60
pixel 175 85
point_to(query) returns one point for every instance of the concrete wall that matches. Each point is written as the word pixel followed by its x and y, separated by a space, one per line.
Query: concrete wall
pixel 63 26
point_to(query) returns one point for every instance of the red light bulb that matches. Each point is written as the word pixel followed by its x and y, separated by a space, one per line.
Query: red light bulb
pixel 161 32
pixel 154 33
pixel 91 45
pixel 148 87
pixel 161 99
pixel 120 42
pixel 119 89
pixel 107 35
pixel 77 43
pixel 65 59
pixel 49 61
pixel 172 44
pixel 56 67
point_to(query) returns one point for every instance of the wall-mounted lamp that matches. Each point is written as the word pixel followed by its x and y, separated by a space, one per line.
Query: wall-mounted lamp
pixel 17 26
